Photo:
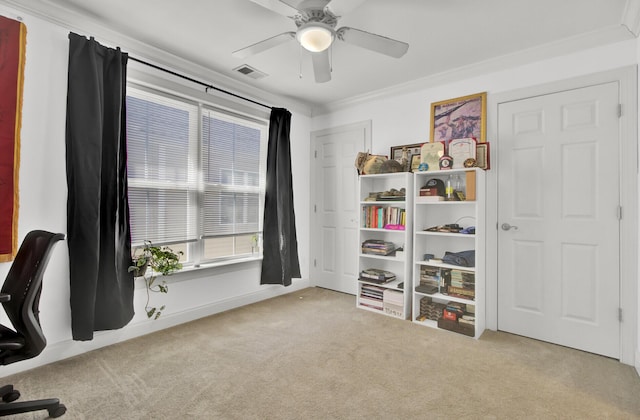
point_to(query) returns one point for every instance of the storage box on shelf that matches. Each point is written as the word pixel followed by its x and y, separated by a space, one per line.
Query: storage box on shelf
pixel 385 237
pixel 449 252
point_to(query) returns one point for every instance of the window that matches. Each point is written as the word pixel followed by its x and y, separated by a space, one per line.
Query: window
pixel 196 177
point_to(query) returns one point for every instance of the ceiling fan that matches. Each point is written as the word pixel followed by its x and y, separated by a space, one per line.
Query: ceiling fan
pixel 316 21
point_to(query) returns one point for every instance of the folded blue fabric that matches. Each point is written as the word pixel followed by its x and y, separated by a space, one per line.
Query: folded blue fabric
pixel 462 258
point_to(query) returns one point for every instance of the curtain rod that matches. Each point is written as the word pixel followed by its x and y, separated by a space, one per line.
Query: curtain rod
pixel 208 86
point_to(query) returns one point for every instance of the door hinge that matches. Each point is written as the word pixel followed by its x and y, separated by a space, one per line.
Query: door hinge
pixel 620 314
pixel 315 154
pixel 619 110
pixel 315 263
pixel 619 212
pixel 315 208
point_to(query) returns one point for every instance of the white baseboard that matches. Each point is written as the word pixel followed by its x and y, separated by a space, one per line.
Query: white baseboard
pixel 69 348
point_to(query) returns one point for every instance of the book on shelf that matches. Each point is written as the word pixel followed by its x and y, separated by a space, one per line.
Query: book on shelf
pixel 377 217
pixel 461 292
pixel 376 275
pixel 371 303
pixel 378 247
pixel 427 289
pixel 394 297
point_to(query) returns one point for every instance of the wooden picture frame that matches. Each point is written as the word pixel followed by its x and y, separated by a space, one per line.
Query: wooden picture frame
pixel 483 156
pixel 459 118
pixel 412 149
pixel 415 162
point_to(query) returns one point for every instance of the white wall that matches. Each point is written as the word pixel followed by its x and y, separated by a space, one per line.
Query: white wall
pixel 404 118
pixel 43 195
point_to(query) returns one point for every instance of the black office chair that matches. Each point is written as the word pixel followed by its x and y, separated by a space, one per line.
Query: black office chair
pixel 20 297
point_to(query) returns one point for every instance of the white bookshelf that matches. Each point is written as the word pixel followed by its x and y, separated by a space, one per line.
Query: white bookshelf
pixel 398 290
pixel 428 214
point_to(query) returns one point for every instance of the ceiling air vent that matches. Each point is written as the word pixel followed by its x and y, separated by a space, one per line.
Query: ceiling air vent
pixel 250 72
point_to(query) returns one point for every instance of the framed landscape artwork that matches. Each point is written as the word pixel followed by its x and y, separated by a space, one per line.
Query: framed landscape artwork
pixel 459 118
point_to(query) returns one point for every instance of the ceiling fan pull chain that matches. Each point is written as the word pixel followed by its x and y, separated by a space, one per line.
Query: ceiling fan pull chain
pixel 300 60
pixel 331 58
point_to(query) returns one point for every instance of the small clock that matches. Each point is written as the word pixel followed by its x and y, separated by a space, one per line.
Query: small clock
pixel 446 162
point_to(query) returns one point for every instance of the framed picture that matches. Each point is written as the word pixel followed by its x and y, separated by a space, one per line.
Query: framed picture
pixel 483 156
pixel 412 149
pixel 462 149
pixel 459 118
pixel 415 162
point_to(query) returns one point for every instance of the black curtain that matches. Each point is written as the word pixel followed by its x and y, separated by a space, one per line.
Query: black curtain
pixel 280 251
pixel 99 237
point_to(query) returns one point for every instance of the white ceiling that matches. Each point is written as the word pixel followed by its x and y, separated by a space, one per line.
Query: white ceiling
pixel 444 36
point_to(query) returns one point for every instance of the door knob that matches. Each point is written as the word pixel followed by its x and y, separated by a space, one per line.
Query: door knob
pixel 507 226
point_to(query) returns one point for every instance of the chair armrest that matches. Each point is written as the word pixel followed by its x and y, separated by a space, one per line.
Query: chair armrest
pixel 5 297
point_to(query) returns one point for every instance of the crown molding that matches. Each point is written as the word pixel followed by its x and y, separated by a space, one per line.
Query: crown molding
pixel 631 17
pixel 85 24
pixel 609 35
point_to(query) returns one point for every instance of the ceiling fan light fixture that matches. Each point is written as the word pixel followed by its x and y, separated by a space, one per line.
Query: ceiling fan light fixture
pixel 315 37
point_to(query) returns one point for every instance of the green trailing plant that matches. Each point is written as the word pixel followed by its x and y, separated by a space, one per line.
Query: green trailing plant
pixel 254 243
pixel 150 262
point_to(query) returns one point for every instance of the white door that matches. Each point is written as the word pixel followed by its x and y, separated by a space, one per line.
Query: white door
pixel 558 218
pixel 334 209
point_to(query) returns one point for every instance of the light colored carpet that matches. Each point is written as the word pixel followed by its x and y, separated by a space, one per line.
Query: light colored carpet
pixel 313 355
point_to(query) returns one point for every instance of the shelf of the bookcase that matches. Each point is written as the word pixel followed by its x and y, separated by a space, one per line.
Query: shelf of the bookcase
pixel 434 324
pixel 382 203
pixel 366 229
pixel 442 203
pixel 450 266
pixel 447 234
pixel 436 172
pixel 391 285
pixel 376 310
pixel 382 257
pixel 385 175
pixel 440 296
pixel 427 323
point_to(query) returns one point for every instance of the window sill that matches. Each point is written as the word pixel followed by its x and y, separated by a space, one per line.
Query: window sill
pixel 192 272
pixel 216 264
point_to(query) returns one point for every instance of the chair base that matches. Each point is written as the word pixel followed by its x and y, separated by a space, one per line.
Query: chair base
pixel 8 394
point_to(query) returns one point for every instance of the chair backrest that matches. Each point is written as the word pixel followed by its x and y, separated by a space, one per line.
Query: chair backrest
pixel 24 284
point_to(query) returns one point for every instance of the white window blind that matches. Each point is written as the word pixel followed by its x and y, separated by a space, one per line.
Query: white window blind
pixel 231 156
pixel 162 143
pixel 196 175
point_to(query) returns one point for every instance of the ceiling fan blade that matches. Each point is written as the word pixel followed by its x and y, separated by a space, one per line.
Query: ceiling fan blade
pixel 290 3
pixel 258 47
pixel 342 7
pixel 277 6
pixel 321 66
pixel 373 42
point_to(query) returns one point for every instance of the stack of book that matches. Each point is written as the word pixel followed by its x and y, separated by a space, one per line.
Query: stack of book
pixel 393 302
pixel 378 247
pixel 382 216
pixel 372 296
pixel 430 309
pixel 467 319
pixel 462 285
pixel 429 280
pixel 376 275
